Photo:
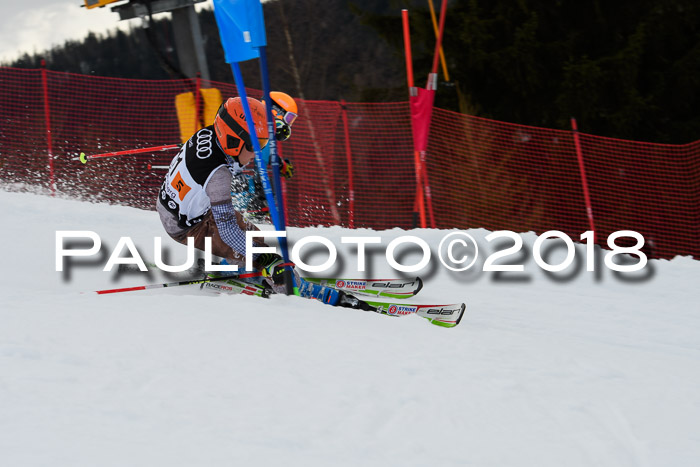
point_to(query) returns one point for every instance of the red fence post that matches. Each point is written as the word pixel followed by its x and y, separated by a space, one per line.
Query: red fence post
pixel 348 158
pixel 584 182
pixel 426 188
pixel 47 118
pixel 284 187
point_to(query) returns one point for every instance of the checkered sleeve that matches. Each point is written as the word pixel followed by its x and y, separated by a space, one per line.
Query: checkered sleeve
pixel 230 232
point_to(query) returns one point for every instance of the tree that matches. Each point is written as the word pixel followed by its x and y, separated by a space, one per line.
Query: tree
pixel 626 69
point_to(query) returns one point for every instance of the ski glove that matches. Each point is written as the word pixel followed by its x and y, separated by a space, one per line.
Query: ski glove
pixel 287 169
pixel 270 265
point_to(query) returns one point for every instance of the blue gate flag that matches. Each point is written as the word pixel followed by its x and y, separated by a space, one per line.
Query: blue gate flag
pixel 241 28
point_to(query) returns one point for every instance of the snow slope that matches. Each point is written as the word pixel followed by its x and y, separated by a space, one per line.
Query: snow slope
pixel 580 371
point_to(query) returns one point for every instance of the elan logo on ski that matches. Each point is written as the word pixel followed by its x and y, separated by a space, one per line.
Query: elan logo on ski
pixel 443 311
pixel 393 284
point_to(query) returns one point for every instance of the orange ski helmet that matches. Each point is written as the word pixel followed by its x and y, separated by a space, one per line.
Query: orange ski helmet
pixel 284 110
pixel 232 129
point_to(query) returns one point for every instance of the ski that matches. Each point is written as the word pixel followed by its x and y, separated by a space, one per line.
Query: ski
pixel 390 288
pixel 448 315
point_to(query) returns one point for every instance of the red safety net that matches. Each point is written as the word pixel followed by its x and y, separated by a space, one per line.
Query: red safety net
pixel 355 162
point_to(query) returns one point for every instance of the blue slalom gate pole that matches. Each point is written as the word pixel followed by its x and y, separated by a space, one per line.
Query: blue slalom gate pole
pixel 269 195
pixel 276 214
pixel 275 162
pixel 242 31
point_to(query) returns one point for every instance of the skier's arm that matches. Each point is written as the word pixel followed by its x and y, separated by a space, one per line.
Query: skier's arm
pixel 287 169
pixel 286 166
pixel 219 192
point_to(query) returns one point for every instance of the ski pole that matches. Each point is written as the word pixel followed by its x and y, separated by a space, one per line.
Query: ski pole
pixel 176 284
pixel 190 282
pixel 83 158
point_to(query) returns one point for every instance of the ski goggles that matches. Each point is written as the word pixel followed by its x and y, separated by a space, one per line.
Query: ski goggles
pixel 283 115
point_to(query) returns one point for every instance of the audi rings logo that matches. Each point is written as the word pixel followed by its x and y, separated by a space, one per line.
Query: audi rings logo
pixel 204 143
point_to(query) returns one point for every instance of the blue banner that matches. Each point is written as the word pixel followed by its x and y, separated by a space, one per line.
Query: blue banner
pixel 241 28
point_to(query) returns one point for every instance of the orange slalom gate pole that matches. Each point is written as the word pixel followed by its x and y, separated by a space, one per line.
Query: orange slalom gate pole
pixel 438 44
pixel 443 62
pixel 432 85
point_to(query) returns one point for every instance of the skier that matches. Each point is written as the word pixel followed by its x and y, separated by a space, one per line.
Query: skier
pixel 246 189
pixel 284 111
pixel 195 198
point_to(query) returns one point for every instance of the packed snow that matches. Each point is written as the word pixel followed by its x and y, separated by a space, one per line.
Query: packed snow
pixel 574 368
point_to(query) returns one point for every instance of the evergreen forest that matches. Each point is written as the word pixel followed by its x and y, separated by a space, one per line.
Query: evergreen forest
pixel 625 68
